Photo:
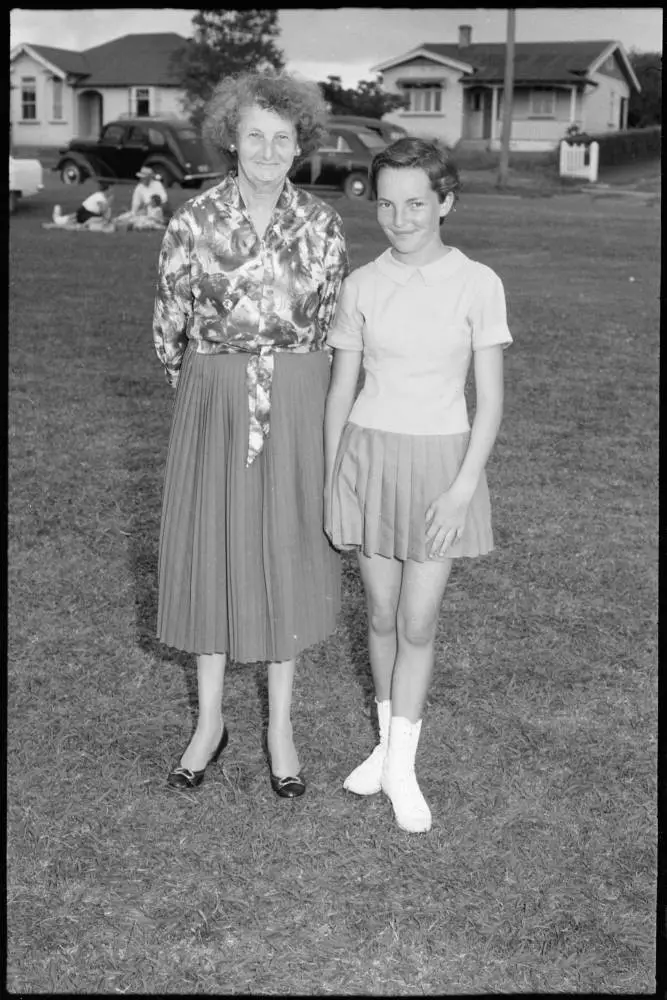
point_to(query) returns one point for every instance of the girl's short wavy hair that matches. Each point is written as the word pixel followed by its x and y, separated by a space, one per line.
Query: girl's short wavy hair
pixel 299 101
pixel 430 156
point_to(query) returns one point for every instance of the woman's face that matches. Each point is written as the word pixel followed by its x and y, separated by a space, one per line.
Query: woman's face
pixel 266 145
pixel 410 213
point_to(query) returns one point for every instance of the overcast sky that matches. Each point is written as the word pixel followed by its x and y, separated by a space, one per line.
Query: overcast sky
pixel 347 41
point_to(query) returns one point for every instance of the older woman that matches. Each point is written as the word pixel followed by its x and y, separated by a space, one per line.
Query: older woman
pixel 249 275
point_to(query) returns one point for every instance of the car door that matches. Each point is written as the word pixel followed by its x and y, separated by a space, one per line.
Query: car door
pixel 329 164
pixel 135 149
pixel 110 150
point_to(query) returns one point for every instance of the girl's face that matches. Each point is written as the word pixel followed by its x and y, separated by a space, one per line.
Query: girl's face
pixel 410 213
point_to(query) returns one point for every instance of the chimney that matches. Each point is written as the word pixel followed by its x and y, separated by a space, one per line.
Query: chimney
pixel 465 35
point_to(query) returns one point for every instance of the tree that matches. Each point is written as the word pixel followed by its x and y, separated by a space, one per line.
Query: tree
pixel 225 42
pixel 646 108
pixel 369 99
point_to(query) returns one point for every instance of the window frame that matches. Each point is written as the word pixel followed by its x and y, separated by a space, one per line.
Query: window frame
pixel 430 94
pixel 57 95
pixel 541 93
pixel 28 84
pixel 135 98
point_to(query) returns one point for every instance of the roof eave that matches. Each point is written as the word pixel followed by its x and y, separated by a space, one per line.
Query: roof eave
pixel 25 47
pixel 424 53
pixel 609 50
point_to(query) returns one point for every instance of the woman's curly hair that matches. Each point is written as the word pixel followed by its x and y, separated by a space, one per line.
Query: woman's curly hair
pixel 299 101
pixel 430 156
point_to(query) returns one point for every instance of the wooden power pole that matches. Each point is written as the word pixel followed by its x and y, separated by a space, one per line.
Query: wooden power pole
pixel 508 93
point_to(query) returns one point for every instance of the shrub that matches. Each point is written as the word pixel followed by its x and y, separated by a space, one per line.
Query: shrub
pixel 623 147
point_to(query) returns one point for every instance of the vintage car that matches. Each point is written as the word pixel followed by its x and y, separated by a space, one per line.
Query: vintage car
pixel 342 161
pixel 25 178
pixel 172 147
pixel 388 130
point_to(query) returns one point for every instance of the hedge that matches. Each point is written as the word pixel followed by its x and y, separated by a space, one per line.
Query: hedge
pixel 623 147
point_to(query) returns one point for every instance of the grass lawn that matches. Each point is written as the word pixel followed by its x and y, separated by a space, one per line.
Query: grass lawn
pixel 538 752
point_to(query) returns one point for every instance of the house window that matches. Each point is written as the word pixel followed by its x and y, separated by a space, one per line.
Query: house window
pixel 57 85
pixel 543 102
pixel 142 102
pixel 28 99
pixel 612 108
pixel 424 99
pixel 476 101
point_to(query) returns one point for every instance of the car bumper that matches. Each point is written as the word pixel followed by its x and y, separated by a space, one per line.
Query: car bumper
pixel 210 175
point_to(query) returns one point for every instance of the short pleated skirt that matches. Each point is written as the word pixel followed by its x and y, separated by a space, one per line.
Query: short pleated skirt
pixel 383 484
pixel 244 565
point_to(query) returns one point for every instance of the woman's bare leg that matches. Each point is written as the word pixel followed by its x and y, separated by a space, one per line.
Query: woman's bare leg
pixel 205 739
pixel 282 752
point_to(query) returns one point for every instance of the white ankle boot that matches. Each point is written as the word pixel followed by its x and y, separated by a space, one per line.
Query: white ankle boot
pixel 398 780
pixel 365 779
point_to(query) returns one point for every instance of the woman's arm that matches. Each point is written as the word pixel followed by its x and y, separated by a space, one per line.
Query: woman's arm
pixel 445 518
pixel 340 397
pixel 173 300
pixel 336 267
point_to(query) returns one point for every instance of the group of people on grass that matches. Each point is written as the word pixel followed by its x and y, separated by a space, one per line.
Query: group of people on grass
pixel 275 465
pixel 149 209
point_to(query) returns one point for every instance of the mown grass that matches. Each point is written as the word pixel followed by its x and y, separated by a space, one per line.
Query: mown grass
pixel 538 752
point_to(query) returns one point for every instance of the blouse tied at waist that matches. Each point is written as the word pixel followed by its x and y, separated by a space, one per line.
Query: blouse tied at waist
pixel 259 382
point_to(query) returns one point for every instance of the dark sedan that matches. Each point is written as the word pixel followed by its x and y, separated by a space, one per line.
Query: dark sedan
pixel 342 161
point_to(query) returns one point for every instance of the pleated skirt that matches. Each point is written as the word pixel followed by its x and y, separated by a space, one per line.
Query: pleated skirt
pixel 383 484
pixel 244 565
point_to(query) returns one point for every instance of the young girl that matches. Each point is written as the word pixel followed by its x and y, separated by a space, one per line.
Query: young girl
pixel 405 481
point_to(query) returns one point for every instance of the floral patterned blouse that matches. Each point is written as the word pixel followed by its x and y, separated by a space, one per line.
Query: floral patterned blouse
pixel 225 290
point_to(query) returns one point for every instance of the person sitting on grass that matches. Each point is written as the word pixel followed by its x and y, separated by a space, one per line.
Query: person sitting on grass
pixel 143 200
pixel 153 218
pixel 94 212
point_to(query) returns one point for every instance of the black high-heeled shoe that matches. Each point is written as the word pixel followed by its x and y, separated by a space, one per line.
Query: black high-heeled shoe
pixel 288 788
pixel 183 777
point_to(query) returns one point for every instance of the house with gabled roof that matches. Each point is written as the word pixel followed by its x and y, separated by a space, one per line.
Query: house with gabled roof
pixel 455 91
pixel 57 94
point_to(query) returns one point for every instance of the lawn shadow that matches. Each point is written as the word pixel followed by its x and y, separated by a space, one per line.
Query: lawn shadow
pixel 353 627
pixel 141 502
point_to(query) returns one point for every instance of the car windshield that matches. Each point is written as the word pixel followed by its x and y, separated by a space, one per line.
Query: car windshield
pixel 371 140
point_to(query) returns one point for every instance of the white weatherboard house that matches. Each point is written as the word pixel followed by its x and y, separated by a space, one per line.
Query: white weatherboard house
pixel 57 94
pixel 456 91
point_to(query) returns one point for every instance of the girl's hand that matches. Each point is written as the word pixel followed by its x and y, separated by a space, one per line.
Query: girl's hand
pixel 445 521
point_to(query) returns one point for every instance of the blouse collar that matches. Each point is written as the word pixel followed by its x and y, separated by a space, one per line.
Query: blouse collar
pixel 232 195
pixel 432 274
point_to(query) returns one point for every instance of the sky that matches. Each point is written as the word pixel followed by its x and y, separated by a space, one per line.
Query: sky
pixel 350 40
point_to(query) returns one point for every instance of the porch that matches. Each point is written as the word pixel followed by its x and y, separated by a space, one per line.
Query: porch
pixel 540 117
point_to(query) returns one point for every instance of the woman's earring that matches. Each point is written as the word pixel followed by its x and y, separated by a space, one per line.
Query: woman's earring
pixel 232 148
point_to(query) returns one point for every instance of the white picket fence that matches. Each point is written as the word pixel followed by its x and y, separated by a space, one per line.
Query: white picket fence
pixel 579 160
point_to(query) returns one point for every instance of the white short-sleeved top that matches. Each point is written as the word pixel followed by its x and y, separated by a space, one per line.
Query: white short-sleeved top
pixel 417 328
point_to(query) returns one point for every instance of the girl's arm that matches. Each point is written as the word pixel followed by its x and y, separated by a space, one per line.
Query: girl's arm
pixel 342 391
pixel 445 518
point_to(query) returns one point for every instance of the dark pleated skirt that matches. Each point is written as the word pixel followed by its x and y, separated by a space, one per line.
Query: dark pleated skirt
pixel 244 565
pixel 383 484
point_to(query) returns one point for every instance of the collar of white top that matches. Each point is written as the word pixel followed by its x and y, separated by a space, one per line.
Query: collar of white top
pixel 432 274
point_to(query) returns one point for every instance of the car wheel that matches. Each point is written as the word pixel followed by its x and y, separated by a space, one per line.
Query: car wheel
pixel 13 201
pixel 357 185
pixel 71 173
